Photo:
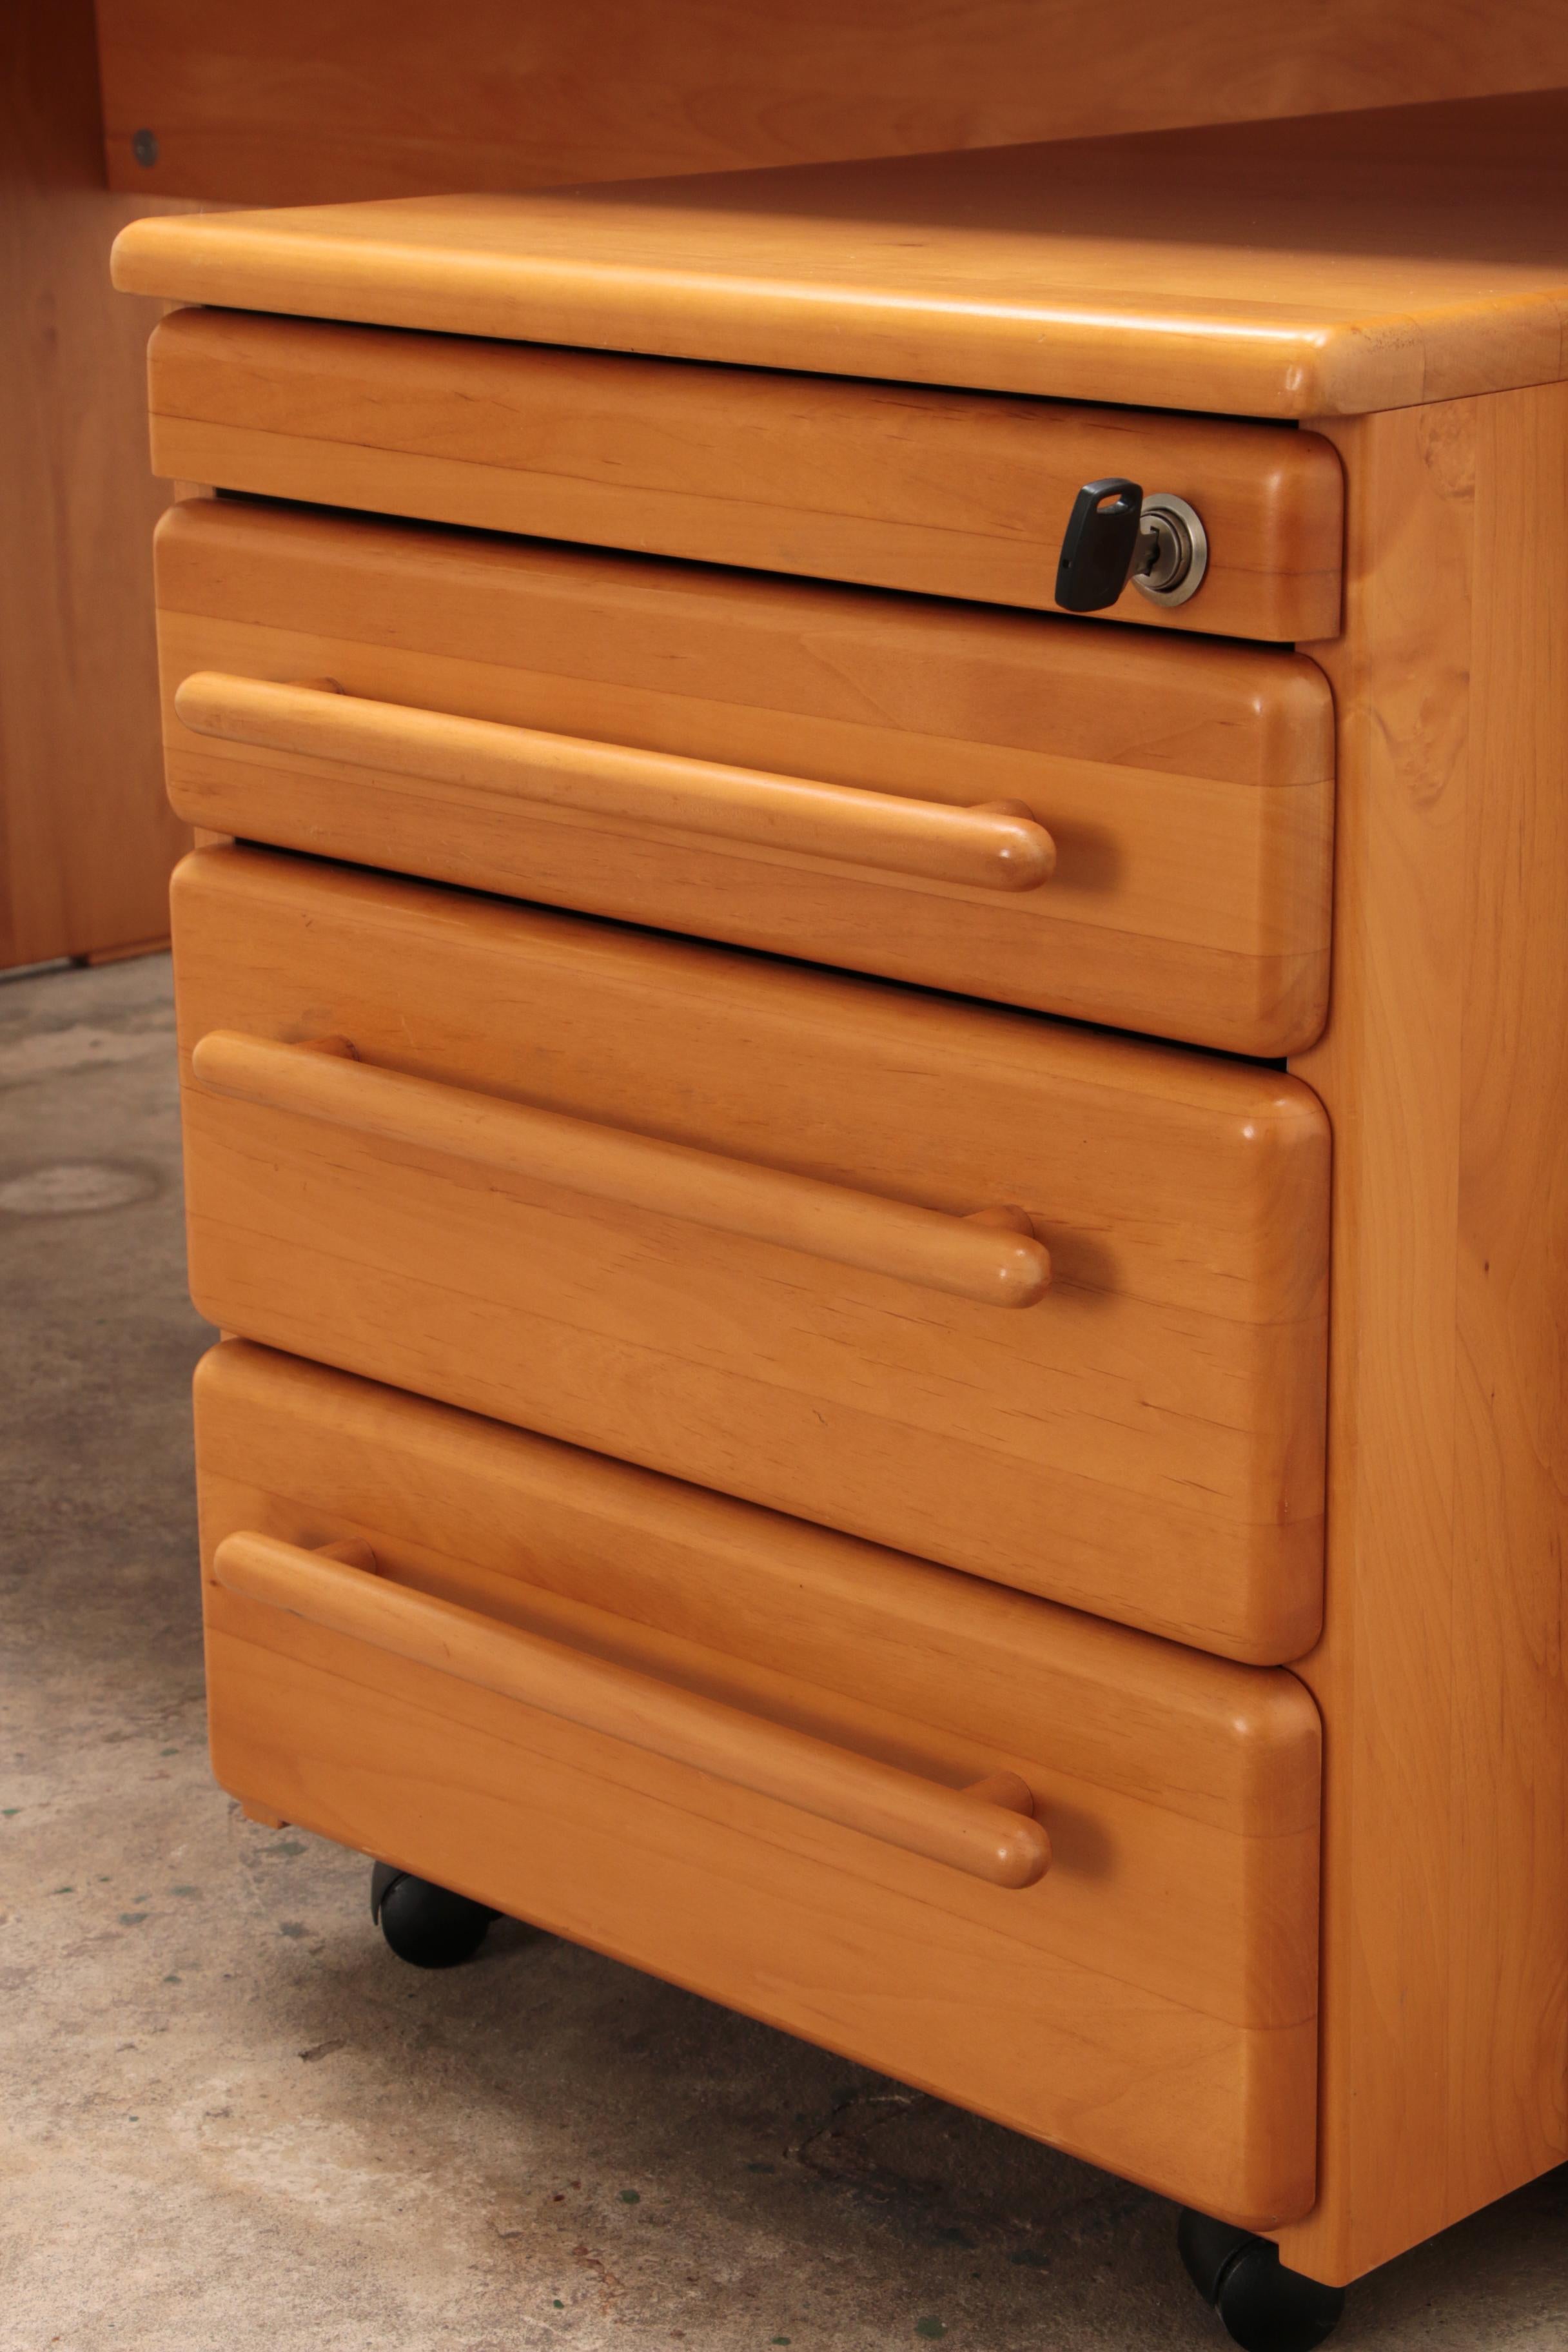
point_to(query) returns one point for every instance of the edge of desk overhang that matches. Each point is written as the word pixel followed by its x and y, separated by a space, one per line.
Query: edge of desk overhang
pixel 1191 356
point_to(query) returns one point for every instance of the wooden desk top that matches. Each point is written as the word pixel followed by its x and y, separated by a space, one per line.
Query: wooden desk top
pixel 1328 265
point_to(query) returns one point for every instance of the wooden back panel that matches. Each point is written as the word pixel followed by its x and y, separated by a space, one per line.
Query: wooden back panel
pixel 87 840
pixel 515 94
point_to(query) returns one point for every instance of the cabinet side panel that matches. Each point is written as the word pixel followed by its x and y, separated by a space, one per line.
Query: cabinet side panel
pixel 1444 1071
pixel 1509 1917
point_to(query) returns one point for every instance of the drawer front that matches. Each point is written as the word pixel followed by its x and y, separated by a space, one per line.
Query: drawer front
pixel 1186 788
pixel 725 1746
pixel 779 1232
pixel 950 493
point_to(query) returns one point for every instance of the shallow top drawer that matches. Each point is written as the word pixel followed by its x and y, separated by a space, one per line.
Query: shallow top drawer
pixel 1035 1301
pixel 950 493
pixel 828 772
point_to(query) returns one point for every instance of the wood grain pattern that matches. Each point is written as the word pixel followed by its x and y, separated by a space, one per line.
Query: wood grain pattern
pixel 87 840
pixel 989 1257
pixel 950 493
pixel 1147 1440
pixel 997 1842
pixel 1508 2113
pixel 1171 1943
pixel 1185 787
pixel 984 847
pixel 510 94
pixel 1445 1070
pixel 1334 265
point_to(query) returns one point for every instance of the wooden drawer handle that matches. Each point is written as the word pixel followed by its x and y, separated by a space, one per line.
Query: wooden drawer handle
pixel 986 1831
pixel 991 846
pixel 991 1257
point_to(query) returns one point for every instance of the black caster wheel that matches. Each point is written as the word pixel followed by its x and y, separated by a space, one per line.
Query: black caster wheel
pixel 426 1924
pixel 1263 2307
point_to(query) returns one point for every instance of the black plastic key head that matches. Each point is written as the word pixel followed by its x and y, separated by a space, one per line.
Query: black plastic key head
pixel 1099 543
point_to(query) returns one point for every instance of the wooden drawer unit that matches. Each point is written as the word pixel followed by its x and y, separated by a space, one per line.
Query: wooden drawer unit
pixel 1042 1303
pixel 951 493
pixel 728 1747
pixel 484 1206
pixel 787 765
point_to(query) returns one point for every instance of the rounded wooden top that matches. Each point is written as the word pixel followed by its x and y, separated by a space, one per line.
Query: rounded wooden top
pixel 1330 265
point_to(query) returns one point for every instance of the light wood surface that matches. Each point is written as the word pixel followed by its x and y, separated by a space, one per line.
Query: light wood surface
pixel 1185 786
pixel 87 840
pixel 512 94
pixel 947 492
pixel 1333 265
pixel 956 1827
pixel 1445 1070
pixel 1315 270
pixel 975 1256
pixel 1146 1440
pixel 985 849
pixel 1171 1942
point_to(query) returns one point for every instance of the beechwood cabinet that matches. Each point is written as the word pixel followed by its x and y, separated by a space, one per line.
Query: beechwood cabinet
pixel 875 1025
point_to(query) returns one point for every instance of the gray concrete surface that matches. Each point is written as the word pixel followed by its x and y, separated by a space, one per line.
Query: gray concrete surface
pixel 230 2119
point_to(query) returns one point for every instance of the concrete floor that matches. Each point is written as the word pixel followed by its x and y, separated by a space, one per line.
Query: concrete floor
pixel 229 2118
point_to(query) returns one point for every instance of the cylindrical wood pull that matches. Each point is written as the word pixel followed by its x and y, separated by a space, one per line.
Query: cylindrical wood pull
pixel 984 1257
pixel 988 846
pixel 985 1832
